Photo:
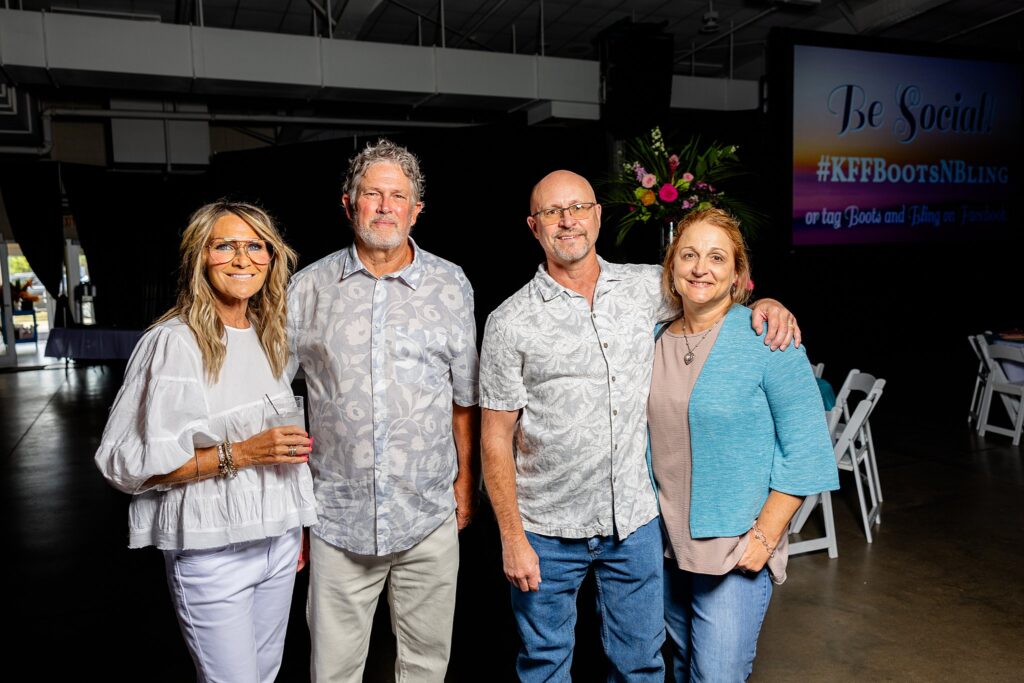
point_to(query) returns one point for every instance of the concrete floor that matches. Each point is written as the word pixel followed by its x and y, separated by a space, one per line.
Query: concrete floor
pixel 938 596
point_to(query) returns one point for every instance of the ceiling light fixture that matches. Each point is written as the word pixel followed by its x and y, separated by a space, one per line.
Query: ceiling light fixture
pixel 710 20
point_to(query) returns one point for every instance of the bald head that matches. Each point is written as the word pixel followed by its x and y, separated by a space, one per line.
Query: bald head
pixel 567 237
pixel 560 188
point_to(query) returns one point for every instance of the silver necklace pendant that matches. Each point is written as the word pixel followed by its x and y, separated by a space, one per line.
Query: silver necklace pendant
pixel 688 358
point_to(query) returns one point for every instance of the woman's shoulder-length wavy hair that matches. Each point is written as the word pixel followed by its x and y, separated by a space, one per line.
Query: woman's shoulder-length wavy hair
pixel 741 261
pixel 195 304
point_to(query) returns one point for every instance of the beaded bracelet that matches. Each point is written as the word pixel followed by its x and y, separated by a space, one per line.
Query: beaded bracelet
pixel 759 535
pixel 225 464
pixel 221 462
pixel 228 453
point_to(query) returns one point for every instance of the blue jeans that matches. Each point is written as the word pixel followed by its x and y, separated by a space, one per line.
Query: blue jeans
pixel 629 600
pixel 713 622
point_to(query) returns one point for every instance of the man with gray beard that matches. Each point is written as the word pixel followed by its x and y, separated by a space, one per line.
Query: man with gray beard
pixel 386 335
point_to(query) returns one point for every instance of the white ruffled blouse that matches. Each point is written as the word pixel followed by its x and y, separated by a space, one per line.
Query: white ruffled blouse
pixel 164 411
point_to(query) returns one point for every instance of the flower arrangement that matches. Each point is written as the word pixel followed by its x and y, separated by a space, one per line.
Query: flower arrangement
pixel 20 296
pixel 659 187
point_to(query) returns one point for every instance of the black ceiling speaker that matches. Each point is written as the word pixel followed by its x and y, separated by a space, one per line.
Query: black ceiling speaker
pixel 636 74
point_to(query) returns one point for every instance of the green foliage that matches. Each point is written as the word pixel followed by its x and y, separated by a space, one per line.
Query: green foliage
pixel 657 186
pixel 18 264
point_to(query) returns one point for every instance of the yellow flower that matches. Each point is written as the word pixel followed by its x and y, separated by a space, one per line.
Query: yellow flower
pixel 647 198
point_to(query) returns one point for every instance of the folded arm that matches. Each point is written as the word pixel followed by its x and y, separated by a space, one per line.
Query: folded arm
pixel 271 447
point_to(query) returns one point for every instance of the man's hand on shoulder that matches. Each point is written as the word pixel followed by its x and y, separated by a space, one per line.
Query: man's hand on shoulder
pixel 782 327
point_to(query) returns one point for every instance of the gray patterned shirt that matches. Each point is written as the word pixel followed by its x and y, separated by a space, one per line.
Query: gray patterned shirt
pixel 581 376
pixel 384 359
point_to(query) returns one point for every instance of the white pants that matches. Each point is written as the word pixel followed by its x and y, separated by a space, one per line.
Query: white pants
pixel 233 603
pixel 343 592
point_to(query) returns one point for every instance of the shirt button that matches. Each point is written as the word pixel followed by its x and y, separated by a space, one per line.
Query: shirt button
pixel 606 345
pixel 615 412
pixel 593 315
pixel 613 378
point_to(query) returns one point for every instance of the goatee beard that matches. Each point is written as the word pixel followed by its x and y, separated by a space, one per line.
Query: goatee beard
pixel 391 239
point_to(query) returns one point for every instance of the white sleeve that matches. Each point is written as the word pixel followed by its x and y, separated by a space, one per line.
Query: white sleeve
pixel 159 413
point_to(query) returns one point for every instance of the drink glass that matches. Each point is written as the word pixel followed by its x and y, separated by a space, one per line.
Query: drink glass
pixel 284 412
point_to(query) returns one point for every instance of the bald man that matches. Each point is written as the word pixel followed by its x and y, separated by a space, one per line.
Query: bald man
pixel 565 372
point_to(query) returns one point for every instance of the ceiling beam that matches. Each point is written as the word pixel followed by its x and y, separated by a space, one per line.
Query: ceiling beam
pixel 881 14
pixel 353 16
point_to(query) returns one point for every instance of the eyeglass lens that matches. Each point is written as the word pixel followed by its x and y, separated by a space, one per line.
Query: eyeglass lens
pixel 257 251
pixel 576 211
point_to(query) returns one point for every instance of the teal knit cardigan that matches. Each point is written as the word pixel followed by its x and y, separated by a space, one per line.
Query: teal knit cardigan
pixel 756 424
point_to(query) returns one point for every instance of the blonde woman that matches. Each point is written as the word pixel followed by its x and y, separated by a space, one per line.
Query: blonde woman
pixel 222 497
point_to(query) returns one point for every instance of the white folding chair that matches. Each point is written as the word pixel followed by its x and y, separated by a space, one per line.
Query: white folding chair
pixel 871 387
pixel 819 369
pixel 863 451
pixel 1011 393
pixel 980 379
pixel 843 444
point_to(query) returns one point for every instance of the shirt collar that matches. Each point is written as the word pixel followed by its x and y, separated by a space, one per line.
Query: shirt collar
pixel 549 289
pixel 411 274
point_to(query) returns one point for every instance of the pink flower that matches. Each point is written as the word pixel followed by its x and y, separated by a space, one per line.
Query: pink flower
pixel 640 172
pixel 687 204
pixel 648 180
pixel 668 193
pixel 673 163
pixel 750 285
pixel 688 177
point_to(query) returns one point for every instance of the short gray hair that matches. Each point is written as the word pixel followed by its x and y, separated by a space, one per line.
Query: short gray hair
pixel 385 151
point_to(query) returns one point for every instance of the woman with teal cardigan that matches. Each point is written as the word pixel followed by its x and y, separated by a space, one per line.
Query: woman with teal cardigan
pixel 738 439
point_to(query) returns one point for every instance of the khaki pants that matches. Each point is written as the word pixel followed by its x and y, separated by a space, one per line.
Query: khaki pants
pixel 343 592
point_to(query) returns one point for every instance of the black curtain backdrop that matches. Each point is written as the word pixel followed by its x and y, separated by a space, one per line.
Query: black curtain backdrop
pixel 477 188
pixel 130 225
pixel 476 196
pixel 31 193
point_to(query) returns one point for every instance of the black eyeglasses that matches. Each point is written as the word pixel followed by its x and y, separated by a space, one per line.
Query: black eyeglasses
pixel 554 213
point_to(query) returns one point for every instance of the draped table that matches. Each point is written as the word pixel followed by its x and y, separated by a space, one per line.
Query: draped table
pixel 91 343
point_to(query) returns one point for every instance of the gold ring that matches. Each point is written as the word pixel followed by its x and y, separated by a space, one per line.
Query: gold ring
pixel 291 450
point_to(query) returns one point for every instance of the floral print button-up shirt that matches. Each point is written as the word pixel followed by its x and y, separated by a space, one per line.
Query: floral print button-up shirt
pixel 581 376
pixel 384 359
